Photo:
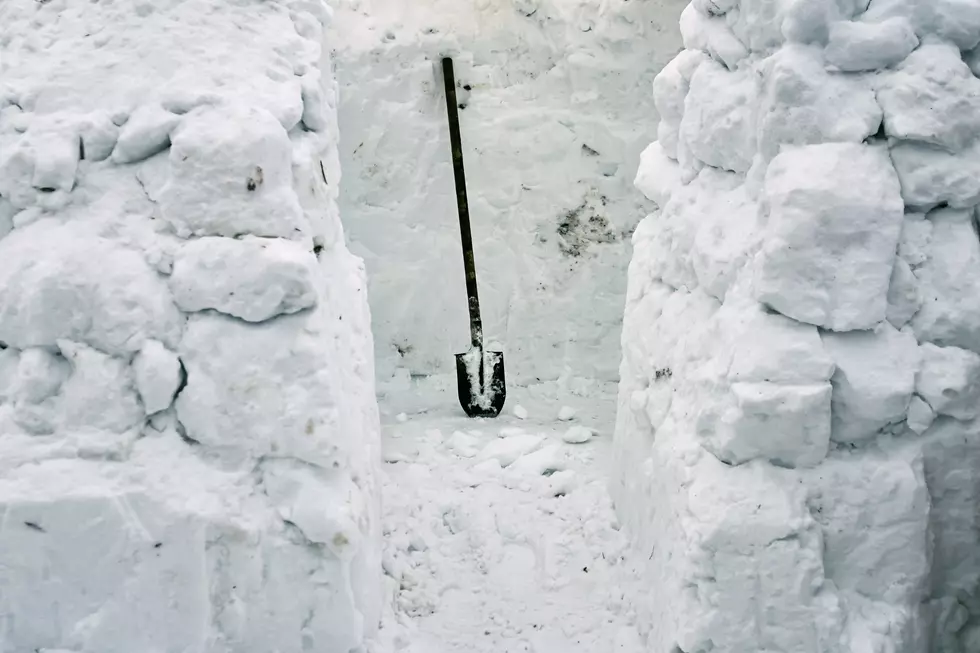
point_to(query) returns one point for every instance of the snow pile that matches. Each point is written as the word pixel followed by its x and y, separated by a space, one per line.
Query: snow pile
pixel 555 111
pixel 797 449
pixel 188 431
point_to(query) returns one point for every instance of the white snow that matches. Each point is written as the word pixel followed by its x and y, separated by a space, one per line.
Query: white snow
pixel 189 437
pixel 577 434
pixel 795 454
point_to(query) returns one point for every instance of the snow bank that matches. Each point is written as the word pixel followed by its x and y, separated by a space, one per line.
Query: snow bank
pixel 797 446
pixel 557 110
pixel 188 431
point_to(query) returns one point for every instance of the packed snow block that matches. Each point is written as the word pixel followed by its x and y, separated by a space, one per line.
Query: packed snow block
pixel 803 104
pixel 904 297
pixel 949 380
pixel 145 133
pixel 835 216
pixel 932 97
pixel 931 176
pixel 726 237
pixel 950 452
pixel 254 279
pixel 657 175
pixel 56 154
pixel 856 46
pixel 873 382
pixel 230 174
pixel 788 425
pixel 158 374
pixel 739 554
pixel 712 35
pixel 957 21
pixel 719 116
pixel 279 399
pixel 950 282
pixel 58 281
pixel 176 556
pixel 670 87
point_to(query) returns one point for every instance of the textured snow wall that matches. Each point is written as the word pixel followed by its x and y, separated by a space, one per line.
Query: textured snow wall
pixel 557 107
pixel 188 430
pixel 797 444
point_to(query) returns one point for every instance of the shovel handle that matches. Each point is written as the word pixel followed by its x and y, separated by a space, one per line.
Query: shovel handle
pixel 466 236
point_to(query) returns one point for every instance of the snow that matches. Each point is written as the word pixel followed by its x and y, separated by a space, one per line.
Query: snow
pixel 189 435
pixel 577 435
pixel 480 559
pixel 551 205
pixel 794 457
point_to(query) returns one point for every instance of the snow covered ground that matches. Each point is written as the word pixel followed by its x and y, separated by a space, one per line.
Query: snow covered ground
pixel 500 535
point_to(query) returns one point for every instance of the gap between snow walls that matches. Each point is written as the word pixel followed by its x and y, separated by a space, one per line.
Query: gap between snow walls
pixel 189 438
pixel 797 445
pixel 554 110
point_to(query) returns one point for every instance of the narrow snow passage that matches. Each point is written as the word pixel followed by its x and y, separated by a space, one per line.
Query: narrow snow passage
pixel 500 535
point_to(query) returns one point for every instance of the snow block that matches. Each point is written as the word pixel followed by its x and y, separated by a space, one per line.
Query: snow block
pixel 63 282
pixel 146 132
pixel 874 380
pixel 230 174
pixel 670 88
pixel 803 104
pixel 857 46
pixel 949 282
pixel 158 374
pixel 932 97
pixel 712 35
pixel 931 176
pixel 949 380
pixel 254 279
pixel 835 216
pixel 719 117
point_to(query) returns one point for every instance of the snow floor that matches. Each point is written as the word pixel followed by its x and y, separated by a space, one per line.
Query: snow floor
pixel 483 558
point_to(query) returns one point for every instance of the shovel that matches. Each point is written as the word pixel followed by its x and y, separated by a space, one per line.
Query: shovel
pixel 479 373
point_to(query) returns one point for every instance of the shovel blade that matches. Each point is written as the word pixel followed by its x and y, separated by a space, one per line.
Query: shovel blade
pixel 482 387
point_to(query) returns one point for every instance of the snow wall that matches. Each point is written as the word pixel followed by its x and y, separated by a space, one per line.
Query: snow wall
pixel 797 444
pixel 557 109
pixel 188 429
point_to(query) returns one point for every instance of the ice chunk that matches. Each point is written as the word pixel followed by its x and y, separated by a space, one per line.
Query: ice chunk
pixel 904 298
pixel 567 413
pixel 950 283
pixel 507 450
pixel 720 115
pixel 932 97
pixel 857 46
pixel 931 176
pixel 145 133
pixel 87 289
pixel 577 435
pixel 230 174
pixel 712 35
pixel 835 216
pixel 803 104
pixel 254 279
pixel 874 380
pixel 786 424
pixel 950 381
pixel 158 376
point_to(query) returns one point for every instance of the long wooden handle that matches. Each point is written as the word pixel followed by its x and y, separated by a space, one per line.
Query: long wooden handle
pixel 466 236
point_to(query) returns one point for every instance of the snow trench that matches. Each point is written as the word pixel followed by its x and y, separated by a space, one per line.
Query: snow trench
pixel 189 438
pixel 797 445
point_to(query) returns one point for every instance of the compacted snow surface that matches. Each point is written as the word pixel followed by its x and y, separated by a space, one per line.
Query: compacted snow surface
pixel 500 536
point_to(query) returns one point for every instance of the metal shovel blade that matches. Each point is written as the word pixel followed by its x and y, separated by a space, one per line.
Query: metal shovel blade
pixel 481 384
